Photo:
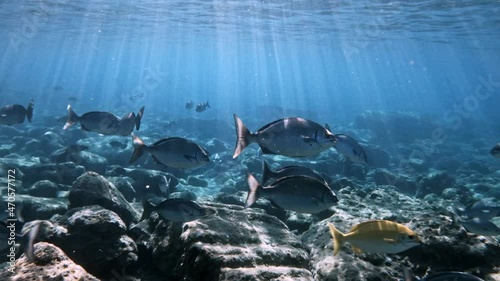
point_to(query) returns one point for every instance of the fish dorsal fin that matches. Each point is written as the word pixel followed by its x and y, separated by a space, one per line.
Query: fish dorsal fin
pixel 267 173
pixel 372 225
pixel 356 250
pixel 272 124
pixel 169 140
pixel 286 178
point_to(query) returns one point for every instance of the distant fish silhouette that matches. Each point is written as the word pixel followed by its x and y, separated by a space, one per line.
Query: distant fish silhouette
pixel 105 123
pixel 15 114
pixel 202 106
pixel 189 104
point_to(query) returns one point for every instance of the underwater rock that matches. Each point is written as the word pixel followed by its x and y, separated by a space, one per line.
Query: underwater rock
pixel 93 189
pixel 43 188
pixel 447 246
pixel 49 264
pixel 93 237
pixel 124 186
pixel 474 166
pixel 434 182
pixel 236 244
pixel 402 183
pixel 185 194
pixel 299 222
pixel 216 146
pixel 356 171
pixel 78 155
pixel 377 157
pixel 145 181
pixel 196 181
pixel 10 132
pixel 38 208
pixel 62 173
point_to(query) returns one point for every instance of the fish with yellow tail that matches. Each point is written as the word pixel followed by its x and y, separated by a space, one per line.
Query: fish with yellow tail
pixel 377 236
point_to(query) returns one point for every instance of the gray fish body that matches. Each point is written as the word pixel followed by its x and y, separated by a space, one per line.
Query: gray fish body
pixel 481 227
pixel 202 106
pixel 485 209
pixel 296 193
pixel 293 137
pixel 350 149
pixel 172 152
pixel 26 240
pixel 495 151
pixel 15 114
pixel 105 123
pixel 176 209
pixel 269 176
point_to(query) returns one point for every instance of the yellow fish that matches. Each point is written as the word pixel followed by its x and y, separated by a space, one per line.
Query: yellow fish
pixel 377 236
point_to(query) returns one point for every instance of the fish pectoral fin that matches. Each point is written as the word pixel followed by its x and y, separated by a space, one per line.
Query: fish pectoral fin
pixel 356 250
pixel 189 157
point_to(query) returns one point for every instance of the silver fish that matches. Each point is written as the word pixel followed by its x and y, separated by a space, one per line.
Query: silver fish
pixel 16 113
pixel 296 193
pixel 164 185
pixel 189 104
pixel 105 123
pixel 269 175
pixel 202 106
pixel 25 240
pixel 350 149
pixel 481 227
pixel 495 151
pixel 175 209
pixel 293 136
pixel 485 209
pixel 172 152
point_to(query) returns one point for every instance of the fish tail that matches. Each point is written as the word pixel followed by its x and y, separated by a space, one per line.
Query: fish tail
pixel 72 118
pixel 29 110
pixel 139 148
pixel 337 238
pixel 267 173
pixel 28 240
pixel 243 135
pixel 253 192
pixel 148 208
pixel 164 185
pixel 138 118
pixel 208 105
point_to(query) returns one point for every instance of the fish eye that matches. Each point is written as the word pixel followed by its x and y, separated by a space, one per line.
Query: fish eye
pixel 411 237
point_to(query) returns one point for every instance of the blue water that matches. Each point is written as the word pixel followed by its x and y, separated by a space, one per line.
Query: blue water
pixel 332 59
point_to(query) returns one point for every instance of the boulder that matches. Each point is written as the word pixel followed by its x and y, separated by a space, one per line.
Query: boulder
pixel 93 237
pixel 434 182
pixel 93 189
pixel 43 188
pixel 49 264
pixel 402 183
pixel 235 244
